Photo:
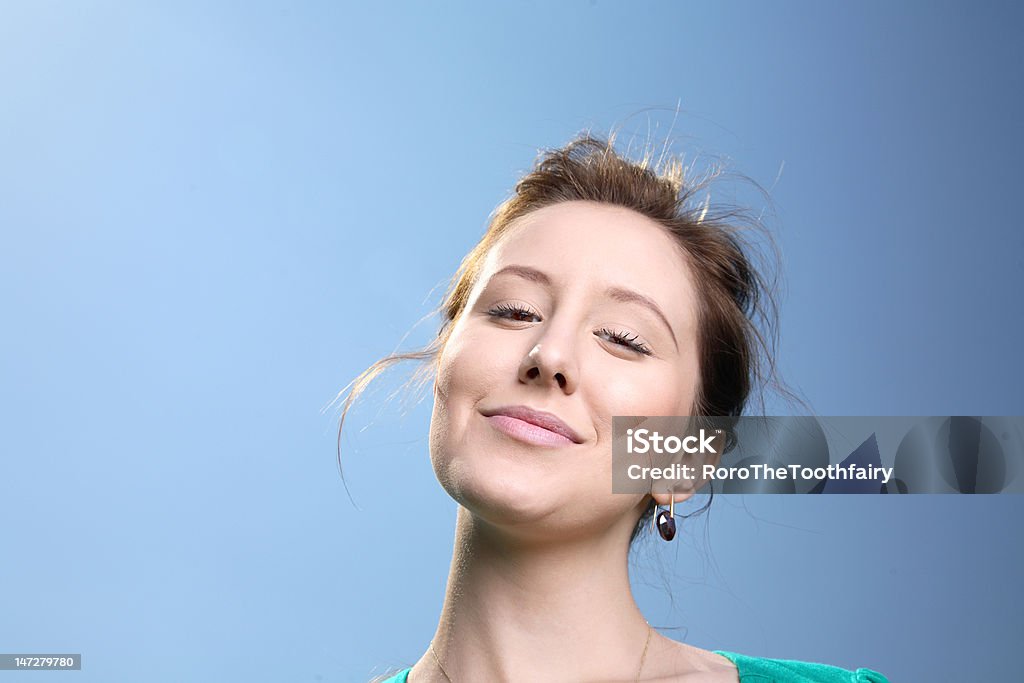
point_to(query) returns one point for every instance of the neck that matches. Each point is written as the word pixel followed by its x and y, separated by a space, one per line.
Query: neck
pixel 535 610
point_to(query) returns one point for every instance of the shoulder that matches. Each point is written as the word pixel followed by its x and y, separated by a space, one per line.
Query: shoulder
pixel 677 662
pixel 400 677
pixel 763 670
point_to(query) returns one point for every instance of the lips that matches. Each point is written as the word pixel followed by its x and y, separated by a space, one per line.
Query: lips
pixel 539 418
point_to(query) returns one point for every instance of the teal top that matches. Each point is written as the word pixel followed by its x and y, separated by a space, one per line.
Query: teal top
pixel 763 670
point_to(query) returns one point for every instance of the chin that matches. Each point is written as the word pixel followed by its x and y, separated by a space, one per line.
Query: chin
pixel 503 492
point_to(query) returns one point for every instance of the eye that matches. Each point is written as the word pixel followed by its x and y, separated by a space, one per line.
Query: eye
pixel 515 312
pixel 510 311
pixel 624 340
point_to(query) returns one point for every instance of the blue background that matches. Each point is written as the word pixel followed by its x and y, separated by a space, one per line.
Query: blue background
pixel 214 215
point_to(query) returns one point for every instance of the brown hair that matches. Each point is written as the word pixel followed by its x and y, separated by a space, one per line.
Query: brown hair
pixel 738 314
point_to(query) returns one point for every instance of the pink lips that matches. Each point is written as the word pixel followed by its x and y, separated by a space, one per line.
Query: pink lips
pixel 532 426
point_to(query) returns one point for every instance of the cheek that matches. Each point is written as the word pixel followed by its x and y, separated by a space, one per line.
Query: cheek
pixel 467 370
pixel 468 366
pixel 444 422
pixel 653 391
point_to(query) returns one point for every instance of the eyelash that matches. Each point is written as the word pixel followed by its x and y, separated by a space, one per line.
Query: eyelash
pixel 507 310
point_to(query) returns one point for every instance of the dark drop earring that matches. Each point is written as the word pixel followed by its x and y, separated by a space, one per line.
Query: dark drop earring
pixel 665 520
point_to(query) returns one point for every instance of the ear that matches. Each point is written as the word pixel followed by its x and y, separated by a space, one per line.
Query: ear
pixel 663 499
pixel 684 489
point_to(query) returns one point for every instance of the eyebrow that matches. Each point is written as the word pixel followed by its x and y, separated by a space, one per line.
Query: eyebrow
pixel 620 294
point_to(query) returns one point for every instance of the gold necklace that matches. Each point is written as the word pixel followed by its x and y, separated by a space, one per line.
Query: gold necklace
pixel 642 657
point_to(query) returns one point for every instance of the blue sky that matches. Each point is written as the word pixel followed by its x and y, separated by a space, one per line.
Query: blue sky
pixel 214 215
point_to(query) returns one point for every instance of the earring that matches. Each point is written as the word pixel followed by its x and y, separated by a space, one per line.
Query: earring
pixel 665 521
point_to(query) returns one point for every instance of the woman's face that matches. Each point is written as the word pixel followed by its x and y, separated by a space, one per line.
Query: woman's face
pixel 553 324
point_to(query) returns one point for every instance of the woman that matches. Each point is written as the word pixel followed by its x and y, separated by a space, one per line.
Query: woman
pixel 600 288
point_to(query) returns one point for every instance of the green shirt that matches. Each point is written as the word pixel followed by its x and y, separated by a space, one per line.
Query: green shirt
pixel 763 670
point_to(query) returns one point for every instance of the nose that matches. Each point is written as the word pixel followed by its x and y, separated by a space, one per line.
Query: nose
pixel 546 364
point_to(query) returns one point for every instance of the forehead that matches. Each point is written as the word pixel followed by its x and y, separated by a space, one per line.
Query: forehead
pixel 586 244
